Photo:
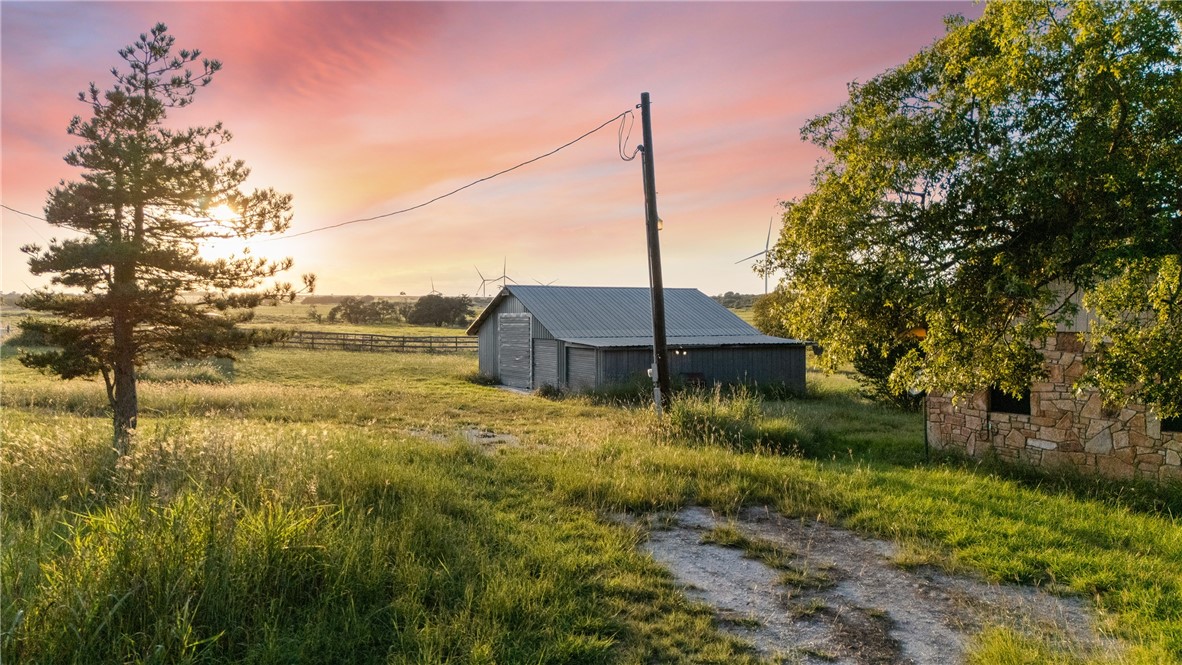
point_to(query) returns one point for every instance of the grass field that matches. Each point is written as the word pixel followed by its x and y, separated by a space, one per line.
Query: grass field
pixel 296 316
pixel 300 506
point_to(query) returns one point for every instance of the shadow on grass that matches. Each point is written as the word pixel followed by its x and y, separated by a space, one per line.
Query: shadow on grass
pixel 1141 496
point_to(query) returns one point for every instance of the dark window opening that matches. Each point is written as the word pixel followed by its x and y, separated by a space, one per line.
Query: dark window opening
pixel 1171 424
pixel 1003 402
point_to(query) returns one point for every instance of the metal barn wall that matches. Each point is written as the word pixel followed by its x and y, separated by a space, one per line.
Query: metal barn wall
pixel 515 352
pixel 619 365
pixel 488 335
pixel 546 363
pixel 761 365
pixel 487 354
pixel 581 368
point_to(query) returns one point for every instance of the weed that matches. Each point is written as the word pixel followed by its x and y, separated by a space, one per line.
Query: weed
pixel 768 553
pixel 809 608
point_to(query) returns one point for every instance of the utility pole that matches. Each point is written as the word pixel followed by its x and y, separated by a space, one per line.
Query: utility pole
pixel 660 369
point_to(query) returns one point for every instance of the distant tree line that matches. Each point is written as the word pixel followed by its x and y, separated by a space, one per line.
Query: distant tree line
pixel 431 309
pixel 736 300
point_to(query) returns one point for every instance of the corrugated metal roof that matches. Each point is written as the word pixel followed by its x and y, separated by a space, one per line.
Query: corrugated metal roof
pixel 624 313
pixel 677 342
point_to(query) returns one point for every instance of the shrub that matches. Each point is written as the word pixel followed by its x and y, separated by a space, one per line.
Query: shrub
pixel 548 391
pixel 482 379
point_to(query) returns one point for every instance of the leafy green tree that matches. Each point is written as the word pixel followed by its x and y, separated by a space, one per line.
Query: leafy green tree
pixel 439 310
pixel 359 310
pixel 767 317
pixel 978 190
pixel 135 284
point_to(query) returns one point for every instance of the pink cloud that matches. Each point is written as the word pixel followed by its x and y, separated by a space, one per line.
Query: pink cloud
pixel 362 108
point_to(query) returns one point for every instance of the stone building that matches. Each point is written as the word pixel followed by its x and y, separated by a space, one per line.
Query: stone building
pixel 1054 425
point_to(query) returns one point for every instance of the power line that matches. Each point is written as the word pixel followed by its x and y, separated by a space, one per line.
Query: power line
pixel 619 116
pixel 21 212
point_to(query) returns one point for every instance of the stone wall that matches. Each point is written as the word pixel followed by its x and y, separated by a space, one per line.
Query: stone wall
pixel 1063 429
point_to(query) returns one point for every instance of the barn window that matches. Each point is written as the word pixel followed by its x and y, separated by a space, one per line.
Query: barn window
pixel 1003 402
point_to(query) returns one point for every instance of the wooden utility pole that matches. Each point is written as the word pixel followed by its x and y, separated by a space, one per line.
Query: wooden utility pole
pixel 656 283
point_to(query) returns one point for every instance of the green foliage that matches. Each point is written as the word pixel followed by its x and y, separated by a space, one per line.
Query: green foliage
pixel 148 197
pixel 768 317
pixel 437 310
pixel 972 190
pixel 1140 321
pixel 362 311
pixel 876 365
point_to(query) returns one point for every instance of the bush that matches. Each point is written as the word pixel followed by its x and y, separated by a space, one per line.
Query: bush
pixel 547 391
pixel 482 379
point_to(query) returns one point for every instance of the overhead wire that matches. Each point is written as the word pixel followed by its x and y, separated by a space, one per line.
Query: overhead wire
pixel 619 116
pixel 21 212
pixel 626 117
pixel 622 140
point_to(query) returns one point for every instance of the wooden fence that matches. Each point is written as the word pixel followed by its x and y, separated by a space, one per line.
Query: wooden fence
pixel 332 341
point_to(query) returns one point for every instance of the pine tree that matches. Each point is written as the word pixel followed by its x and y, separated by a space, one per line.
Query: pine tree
pixel 133 286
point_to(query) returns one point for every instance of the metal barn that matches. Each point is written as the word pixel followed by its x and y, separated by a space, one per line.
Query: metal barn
pixel 581 338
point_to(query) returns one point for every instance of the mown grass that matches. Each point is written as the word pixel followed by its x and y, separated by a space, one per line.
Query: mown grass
pixel 288 514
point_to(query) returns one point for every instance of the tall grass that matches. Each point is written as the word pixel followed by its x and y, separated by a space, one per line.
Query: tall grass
pixel 291 514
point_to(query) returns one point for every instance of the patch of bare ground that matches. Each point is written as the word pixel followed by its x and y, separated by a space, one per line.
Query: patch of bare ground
pixel 805 592
pixel 487 440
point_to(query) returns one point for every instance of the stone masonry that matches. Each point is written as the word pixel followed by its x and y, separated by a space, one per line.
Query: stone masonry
pixel 1064 428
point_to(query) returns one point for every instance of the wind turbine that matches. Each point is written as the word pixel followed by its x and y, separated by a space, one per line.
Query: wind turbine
pixel 504 276
pixel 483 288
pixel 433 292
pixel 767 247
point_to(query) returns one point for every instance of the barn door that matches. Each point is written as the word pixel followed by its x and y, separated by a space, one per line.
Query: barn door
pixel 580 368
pixel 546 362
pixel 514 361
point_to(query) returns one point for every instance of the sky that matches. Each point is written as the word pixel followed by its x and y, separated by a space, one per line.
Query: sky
pixel 362 108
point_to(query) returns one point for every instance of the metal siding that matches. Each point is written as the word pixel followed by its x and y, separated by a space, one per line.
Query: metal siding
pixel 581 368
pixel 700 341
pixel 759 365
pixel 561 353
pixel 487 353
pixel 622 364
pixel 488 336
pixel 545 363
pixel 591 311
pixel 514 362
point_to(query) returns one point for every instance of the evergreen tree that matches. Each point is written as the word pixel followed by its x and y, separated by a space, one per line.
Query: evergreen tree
pixel 134 285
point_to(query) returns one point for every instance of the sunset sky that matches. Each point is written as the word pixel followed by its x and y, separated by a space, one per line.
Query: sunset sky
pixel 359 109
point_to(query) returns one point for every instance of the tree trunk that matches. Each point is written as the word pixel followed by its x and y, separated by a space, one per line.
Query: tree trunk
pixel 126 402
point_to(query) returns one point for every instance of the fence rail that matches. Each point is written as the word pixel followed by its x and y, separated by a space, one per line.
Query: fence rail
pixel 332 341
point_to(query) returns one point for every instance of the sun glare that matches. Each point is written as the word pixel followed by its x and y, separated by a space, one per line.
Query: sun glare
pixel 222 213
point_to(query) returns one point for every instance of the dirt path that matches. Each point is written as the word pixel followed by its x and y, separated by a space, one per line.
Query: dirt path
pixel 836 597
